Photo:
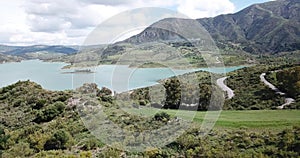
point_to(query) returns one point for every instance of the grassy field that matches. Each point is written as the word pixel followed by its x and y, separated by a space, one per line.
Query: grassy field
pixel 253 120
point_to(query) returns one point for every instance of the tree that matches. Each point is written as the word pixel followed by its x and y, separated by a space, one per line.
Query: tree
pixel 204 95
pixel 105 94
pixel 50 112
pixel 58 140
pixel 173 93
pixel 289 81
pixel 104 91
pixel 3 139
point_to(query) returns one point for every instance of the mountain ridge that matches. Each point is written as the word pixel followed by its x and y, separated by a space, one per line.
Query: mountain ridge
pixel 269 27
pixel 22 50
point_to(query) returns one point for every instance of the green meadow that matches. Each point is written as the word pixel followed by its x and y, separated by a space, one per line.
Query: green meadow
pixel 252 119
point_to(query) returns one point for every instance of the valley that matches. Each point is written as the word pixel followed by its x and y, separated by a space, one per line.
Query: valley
pixel 223 86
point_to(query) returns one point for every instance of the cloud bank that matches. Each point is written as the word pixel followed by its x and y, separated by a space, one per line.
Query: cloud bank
pixel 69 22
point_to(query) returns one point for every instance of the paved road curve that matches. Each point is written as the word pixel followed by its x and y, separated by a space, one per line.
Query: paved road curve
pixel 224 87
pixel 288 101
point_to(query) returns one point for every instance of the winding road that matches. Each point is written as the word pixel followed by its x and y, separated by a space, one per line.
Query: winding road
pixel 217 60
pixel 224 87
pixel 288 101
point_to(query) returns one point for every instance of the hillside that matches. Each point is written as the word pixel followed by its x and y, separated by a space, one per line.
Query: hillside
pixel 40 123
pixel 37 51
pixel 269 27
pixel 8 58
pixel 261 33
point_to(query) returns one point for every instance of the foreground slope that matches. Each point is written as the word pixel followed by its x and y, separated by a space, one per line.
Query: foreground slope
pixel 40 123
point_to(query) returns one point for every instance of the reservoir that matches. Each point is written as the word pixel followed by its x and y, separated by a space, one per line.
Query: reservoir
pixel 117 77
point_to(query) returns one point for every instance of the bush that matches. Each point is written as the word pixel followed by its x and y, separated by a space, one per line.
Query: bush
pixel 50 112
pixel 110 152
pixel 59 140
pixel 107 98
pixel 3 139
pixel 104 91
pixel 105 94
pixel 18 103
pixel 142 102
pixel 39 104
pixel 19 150
pixel 151 152
pixel 60 106
pixel 91 143
pixel 162 116
pixel 38 139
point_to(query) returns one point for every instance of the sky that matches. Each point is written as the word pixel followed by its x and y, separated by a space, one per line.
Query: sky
pixel 69 22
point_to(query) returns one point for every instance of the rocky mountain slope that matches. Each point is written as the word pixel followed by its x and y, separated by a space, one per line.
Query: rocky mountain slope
pixel 269 27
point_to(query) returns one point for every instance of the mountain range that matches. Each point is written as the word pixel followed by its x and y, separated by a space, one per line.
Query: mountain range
pixel 23 50
pixel 269 27
pixel 266 28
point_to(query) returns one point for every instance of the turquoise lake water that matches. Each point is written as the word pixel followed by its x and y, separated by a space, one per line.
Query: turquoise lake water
pixel 117 77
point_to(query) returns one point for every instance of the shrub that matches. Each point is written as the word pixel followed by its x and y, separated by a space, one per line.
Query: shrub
pixel 60 106
pixel 18 102
pixel 38 139
pixel 58 140
pixel 162 116
pixel 19 150
pixel 105 94
pixel 3 139
pixel 104 91
pixel 142 102
pixel 50 112
pixel 91 143
pixel 110 152
pixel 151 152
pixel 39 104
pixel 107 98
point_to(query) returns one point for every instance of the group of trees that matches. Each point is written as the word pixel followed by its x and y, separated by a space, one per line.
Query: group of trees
pixel 289 81
pixel 50 112
pixel 180 94
pixel 40 123
pixel 250 92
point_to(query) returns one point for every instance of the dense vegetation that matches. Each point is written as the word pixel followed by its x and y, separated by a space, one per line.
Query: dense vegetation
pixel 40 123
pixel 289 81
pixel 250 92
pixel 181 92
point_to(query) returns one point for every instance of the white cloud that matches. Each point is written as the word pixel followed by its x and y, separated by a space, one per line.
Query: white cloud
pixel 204 8
pixel 109 2
pixel 70 21
pixel 48 24
pixel 128 23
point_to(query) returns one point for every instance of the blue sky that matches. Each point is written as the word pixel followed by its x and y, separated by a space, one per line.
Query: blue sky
pixel 29 22
pixel 241 4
